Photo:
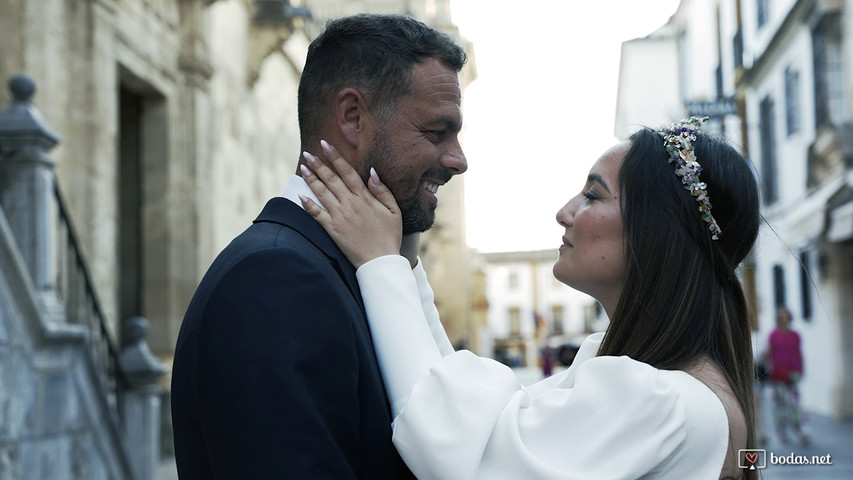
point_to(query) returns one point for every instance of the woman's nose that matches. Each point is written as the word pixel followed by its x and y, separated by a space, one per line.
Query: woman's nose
pixel 565 215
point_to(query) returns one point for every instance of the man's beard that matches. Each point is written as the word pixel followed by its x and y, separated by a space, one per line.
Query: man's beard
pixel 416 219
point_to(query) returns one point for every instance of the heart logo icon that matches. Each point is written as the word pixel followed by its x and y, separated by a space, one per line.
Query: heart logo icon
pixel 751 457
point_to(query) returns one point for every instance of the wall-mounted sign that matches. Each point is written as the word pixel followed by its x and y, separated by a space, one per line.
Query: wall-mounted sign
pixel 712 108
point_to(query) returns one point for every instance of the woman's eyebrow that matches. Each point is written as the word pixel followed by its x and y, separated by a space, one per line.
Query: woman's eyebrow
pixel 593 177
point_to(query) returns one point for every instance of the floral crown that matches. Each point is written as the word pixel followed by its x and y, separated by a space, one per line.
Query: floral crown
pixel 678 140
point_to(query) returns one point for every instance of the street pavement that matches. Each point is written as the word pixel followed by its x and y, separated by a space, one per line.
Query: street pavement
pixel 827 436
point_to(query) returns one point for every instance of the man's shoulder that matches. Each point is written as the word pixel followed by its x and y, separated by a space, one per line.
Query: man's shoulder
pixel 263 245
pixel 267 242
pixel 264 259
pixel 265 235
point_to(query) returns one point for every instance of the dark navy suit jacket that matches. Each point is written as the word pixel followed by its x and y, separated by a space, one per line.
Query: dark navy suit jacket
pixel 274 373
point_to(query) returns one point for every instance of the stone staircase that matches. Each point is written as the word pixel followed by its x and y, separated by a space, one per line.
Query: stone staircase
pixel 72 405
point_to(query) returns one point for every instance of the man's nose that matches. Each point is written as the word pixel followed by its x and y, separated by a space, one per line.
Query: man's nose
pixel 454 160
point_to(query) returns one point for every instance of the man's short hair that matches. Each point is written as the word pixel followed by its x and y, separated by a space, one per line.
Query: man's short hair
pixel 374 54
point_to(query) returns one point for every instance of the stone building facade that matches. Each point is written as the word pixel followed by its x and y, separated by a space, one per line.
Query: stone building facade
pixel 178 122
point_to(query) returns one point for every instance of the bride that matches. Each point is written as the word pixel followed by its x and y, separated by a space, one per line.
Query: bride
pixel 665 392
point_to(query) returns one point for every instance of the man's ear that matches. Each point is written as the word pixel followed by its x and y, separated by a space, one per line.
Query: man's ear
pixel 352 116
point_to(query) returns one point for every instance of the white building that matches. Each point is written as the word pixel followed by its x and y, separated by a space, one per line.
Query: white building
pixel 795 83
pixel 675 72
pixel 528 307
pixel 780 75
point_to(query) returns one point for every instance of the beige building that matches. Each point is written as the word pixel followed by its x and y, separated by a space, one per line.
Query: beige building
pixel 528 308
pixel 178 122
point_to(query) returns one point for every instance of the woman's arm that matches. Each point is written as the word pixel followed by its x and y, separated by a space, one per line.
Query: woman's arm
pixel 457 415
pixel 401 335
pixel 366 225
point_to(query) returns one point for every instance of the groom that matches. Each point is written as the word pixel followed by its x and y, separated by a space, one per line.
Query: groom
pixel 275 374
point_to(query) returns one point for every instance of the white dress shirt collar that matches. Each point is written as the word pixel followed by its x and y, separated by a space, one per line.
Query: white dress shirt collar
pixel 296 186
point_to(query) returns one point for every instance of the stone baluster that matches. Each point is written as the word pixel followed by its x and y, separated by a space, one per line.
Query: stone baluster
pixel 140 403
pixel 27 182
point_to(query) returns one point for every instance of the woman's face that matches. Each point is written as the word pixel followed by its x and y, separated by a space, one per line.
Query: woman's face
pixel 592 254
pixel 783 318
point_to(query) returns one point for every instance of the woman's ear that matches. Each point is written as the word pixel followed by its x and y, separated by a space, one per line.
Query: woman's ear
pixel 352 117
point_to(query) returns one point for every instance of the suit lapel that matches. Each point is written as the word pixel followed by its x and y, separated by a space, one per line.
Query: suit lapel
pixel 284 212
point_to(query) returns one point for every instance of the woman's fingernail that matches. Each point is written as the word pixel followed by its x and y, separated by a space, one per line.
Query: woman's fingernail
pixel 303 198
pixel 306 172
pixel 374 176
pixel 326 147
pixel 309 158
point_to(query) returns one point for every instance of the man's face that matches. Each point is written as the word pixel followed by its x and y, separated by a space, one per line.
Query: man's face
pixel 417 149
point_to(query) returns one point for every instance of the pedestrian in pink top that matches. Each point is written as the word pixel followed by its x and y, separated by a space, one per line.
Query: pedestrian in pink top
pixel 786 369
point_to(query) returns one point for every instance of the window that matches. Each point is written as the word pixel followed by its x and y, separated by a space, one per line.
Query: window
pixel 514 321
pixel 828 71
pixel 792 100
pixel 591 314
pixel 737 52
pixel 718 80
pixel 588 317
pixel 749 288
pixel 778 285
pixel 513 280
pixel 557 313
pixel 768 151
pixel 761 12
pixel 806 284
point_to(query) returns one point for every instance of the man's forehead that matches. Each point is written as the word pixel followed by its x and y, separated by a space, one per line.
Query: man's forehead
pixel 436 75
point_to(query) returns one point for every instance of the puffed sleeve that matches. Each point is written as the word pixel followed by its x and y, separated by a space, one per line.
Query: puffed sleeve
pixel 465 417
pixel 401 335
pixel 610 417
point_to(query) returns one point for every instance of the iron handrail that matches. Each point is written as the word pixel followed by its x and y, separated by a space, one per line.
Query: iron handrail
pixel 77 290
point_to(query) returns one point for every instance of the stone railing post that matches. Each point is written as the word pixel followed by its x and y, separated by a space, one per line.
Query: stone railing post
pixel 140 403
pixel 27 182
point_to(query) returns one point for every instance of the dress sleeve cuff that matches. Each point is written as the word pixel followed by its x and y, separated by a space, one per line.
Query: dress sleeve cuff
pixel 402 338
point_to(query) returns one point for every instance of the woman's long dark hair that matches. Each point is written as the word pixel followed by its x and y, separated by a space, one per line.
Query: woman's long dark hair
pixel 681 296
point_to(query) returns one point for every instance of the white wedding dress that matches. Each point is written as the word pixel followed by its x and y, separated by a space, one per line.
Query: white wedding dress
pixel 458 416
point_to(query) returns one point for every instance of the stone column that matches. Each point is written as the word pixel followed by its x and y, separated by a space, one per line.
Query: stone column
pixel 140 403
pixel 27 181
